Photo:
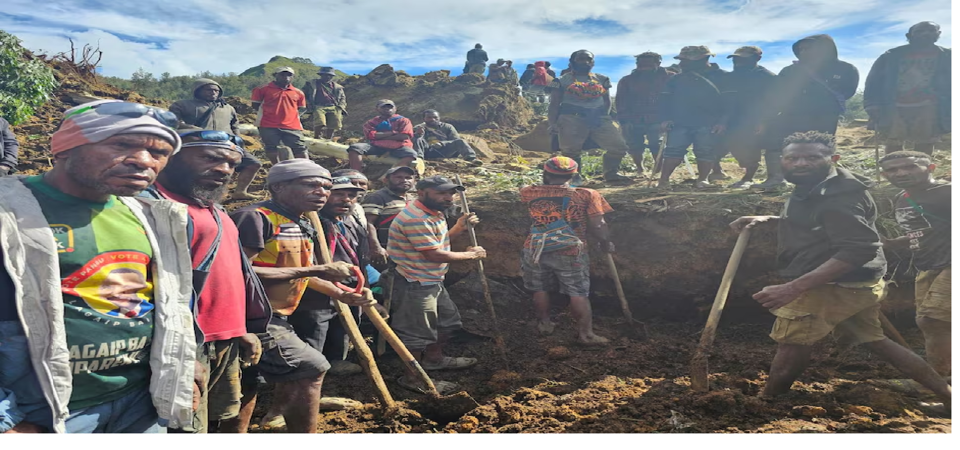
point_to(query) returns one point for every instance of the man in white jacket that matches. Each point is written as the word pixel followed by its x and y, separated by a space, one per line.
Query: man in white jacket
pixel 96 331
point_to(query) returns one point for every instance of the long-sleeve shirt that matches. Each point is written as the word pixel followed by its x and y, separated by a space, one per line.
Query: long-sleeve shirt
pixel 694 99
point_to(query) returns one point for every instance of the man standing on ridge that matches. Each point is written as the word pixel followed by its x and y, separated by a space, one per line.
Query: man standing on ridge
pixel 279 106
pixel 831 257
pixel 809 95
pixel 476 60
pixel 638 109
pixel 907 93
pixel 389 133
pixel 328 103
pixel 207 110
pixel 580 110
pixel 749 87
pixel 694 109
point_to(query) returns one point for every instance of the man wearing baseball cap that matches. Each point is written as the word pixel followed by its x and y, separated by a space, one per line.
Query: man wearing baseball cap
pixel 280 241
pixel 555 256
pixel 279 106
pixel 424 316
pixel 388 133
pixel 693 111
pixel 82 346
pixel 750 86
pixel 327 102
pixel 382 207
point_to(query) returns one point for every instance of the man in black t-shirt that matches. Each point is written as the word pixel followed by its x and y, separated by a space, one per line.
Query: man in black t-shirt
pixel 923 213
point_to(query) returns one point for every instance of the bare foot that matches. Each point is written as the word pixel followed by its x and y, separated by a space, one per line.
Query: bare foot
pixel 592 339
pixel 243 196
pixel 546 328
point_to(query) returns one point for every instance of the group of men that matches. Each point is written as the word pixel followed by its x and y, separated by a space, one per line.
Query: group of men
pixel 749 111
pixel 130 301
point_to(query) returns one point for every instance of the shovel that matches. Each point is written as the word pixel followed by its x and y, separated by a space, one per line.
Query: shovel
pixel 659 160
pixel 635 328
pixel 698 366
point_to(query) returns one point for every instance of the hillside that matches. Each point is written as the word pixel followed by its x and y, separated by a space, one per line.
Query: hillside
pixel 303 66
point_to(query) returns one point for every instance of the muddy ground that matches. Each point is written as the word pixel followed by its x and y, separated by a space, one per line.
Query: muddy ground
pixel 673 246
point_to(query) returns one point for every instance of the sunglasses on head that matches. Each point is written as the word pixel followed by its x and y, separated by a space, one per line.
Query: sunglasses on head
pixel 127 109
pixel 213 135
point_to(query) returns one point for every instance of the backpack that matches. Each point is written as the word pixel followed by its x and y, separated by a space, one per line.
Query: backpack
pixel 554 237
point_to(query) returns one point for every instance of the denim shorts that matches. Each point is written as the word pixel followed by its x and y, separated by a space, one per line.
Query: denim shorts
pixel 556 272
pixel 681 137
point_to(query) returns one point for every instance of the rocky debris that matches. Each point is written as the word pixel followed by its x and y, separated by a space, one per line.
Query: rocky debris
pixel 808 411
pixel 467 101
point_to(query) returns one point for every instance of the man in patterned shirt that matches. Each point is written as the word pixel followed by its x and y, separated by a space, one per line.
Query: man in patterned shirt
pixel 568 214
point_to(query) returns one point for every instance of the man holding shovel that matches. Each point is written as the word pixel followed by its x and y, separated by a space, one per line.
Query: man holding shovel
pixel 554 255
pixel 424 316
pixel 279 241
pixel 830 252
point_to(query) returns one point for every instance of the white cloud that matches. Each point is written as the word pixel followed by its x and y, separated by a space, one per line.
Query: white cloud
pixel 222 36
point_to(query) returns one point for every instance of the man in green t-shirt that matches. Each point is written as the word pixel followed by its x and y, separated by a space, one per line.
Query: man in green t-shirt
pixel 95 268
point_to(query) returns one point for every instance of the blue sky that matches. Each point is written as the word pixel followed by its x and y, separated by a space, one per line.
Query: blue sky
pixel 185 37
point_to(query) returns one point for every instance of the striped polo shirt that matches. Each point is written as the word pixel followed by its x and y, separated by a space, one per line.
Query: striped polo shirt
pixel 417 229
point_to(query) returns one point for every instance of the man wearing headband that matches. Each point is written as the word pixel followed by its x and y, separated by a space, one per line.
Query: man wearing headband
pixel 227 314
pixel 279 241
pixel 555 256
pixel 82 350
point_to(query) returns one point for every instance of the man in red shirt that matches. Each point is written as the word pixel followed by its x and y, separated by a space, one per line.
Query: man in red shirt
pixel 387 133
pixel 198 177
pixel 279 106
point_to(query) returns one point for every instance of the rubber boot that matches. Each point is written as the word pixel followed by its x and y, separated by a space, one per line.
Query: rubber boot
pixel 611 164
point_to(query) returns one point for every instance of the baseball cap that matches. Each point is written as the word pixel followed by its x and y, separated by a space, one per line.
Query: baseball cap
pixel 344 183
pixel 694 52
pixel 747 51
pixel 284 69
pixel 392 170
pixel 385 102
pixel 439 183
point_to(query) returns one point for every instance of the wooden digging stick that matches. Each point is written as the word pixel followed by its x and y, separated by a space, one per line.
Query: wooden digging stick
pixel 698 366
pixel 498 338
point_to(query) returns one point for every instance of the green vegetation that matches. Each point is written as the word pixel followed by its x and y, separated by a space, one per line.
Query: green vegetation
pixel 179 87
pixel 25 82
pixel 855 108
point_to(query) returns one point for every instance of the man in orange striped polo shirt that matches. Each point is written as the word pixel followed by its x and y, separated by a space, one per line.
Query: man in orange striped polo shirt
pixel 423 314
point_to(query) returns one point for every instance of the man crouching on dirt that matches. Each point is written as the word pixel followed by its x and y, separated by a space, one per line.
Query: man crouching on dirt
pixel 423 314
pixel 555 255
pixel 280 242
pixel 923 212
pixel 830 251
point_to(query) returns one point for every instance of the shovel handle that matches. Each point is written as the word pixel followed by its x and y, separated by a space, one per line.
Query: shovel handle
pixel 398 346
pixel 616 282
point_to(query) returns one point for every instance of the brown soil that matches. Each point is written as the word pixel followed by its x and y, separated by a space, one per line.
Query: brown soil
pixel 672 245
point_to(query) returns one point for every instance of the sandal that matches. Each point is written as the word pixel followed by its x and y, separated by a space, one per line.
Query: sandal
pixel 450 363
pixel 443 387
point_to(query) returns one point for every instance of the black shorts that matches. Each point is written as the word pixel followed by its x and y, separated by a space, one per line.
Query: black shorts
pixel 286 357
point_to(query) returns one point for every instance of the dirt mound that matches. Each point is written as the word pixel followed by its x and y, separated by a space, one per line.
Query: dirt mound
pixel 467 101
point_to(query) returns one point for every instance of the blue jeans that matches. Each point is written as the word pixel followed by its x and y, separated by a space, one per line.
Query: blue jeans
pixel 132 413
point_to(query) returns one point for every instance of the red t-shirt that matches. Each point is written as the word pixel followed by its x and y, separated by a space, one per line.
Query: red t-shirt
pixel 221 312
pixel 398 124
pixel 280 106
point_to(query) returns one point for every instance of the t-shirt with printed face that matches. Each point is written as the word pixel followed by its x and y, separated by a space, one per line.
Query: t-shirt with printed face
pixel 927 225
pixel 107 284
pixel 545 204
pixel 585 91
pixel 915 78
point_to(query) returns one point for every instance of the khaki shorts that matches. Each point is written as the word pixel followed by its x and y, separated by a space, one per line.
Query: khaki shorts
pixel 327 117
pixel 574 131
pixel 933 294
pixel 917 124
pixel 854 312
